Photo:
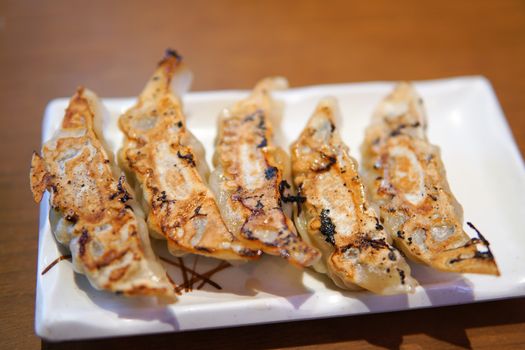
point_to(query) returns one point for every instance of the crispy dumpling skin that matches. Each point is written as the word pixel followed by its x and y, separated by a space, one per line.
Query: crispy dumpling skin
pixel 93 211
pixel 406 179
pixel 334 215
pixel 170 171
pixel 248 173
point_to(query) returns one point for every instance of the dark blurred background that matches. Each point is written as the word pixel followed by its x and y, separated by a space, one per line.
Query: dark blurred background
pixel 48 48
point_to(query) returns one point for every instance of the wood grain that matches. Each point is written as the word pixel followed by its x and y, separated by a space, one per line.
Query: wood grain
pixel 48 48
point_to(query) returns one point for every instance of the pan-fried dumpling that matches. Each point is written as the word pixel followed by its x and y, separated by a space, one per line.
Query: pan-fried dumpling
pixel 93 211
pixel 406 179
pixel 170 170
pixel 248 178
pixel 335 216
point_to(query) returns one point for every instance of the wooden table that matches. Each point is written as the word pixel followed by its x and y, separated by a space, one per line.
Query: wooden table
pixel 47 49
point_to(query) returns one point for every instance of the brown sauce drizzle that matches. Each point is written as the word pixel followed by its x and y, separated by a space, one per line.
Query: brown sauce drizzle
pixel 171 281
pixel 481 237
pixel 222 265
pixel 184 274
pixel 477 255
pixel 190 281
pixel 54 262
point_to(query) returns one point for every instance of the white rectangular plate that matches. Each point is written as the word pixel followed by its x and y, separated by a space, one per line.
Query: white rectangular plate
pixel 484 168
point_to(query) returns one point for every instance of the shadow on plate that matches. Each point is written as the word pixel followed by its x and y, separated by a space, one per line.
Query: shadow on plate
pixel 442 287
pixel 139 308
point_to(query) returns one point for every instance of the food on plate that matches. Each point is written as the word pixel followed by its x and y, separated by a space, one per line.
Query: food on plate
pixel 406 179
pixel 248 177
pixel 93 211
pixel 168 165
pixel 335 216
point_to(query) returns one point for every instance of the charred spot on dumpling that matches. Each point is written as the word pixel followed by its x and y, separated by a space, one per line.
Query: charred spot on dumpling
pixel 392 255
pixel 397 131
pixel 203 249
pixel 262 122
pixel 125 197
pixel 121 191
pixel 248 234
pixel 327 162
pixel 72 217
pixel 187 157
pixel 401 234
pixel 373 243
pixel 263 143
pixel 378 225
pixel 259 204
pixel 270 172
pixel 297 199
pixel 455 260
pixel 250 117
pixel 249 253
pixel 283 185
pixel 162 197
pixel 350 252
pixel 401 275
pixel 82 241
pixel 197 212
pixel 284 254
pixel 173 53
pixel 327 226
pixel 179 124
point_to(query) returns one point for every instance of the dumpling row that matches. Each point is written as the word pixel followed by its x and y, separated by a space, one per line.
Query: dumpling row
pixel 243 209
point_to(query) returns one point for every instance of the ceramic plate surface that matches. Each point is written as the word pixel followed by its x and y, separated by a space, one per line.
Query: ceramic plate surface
pixel 485 171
